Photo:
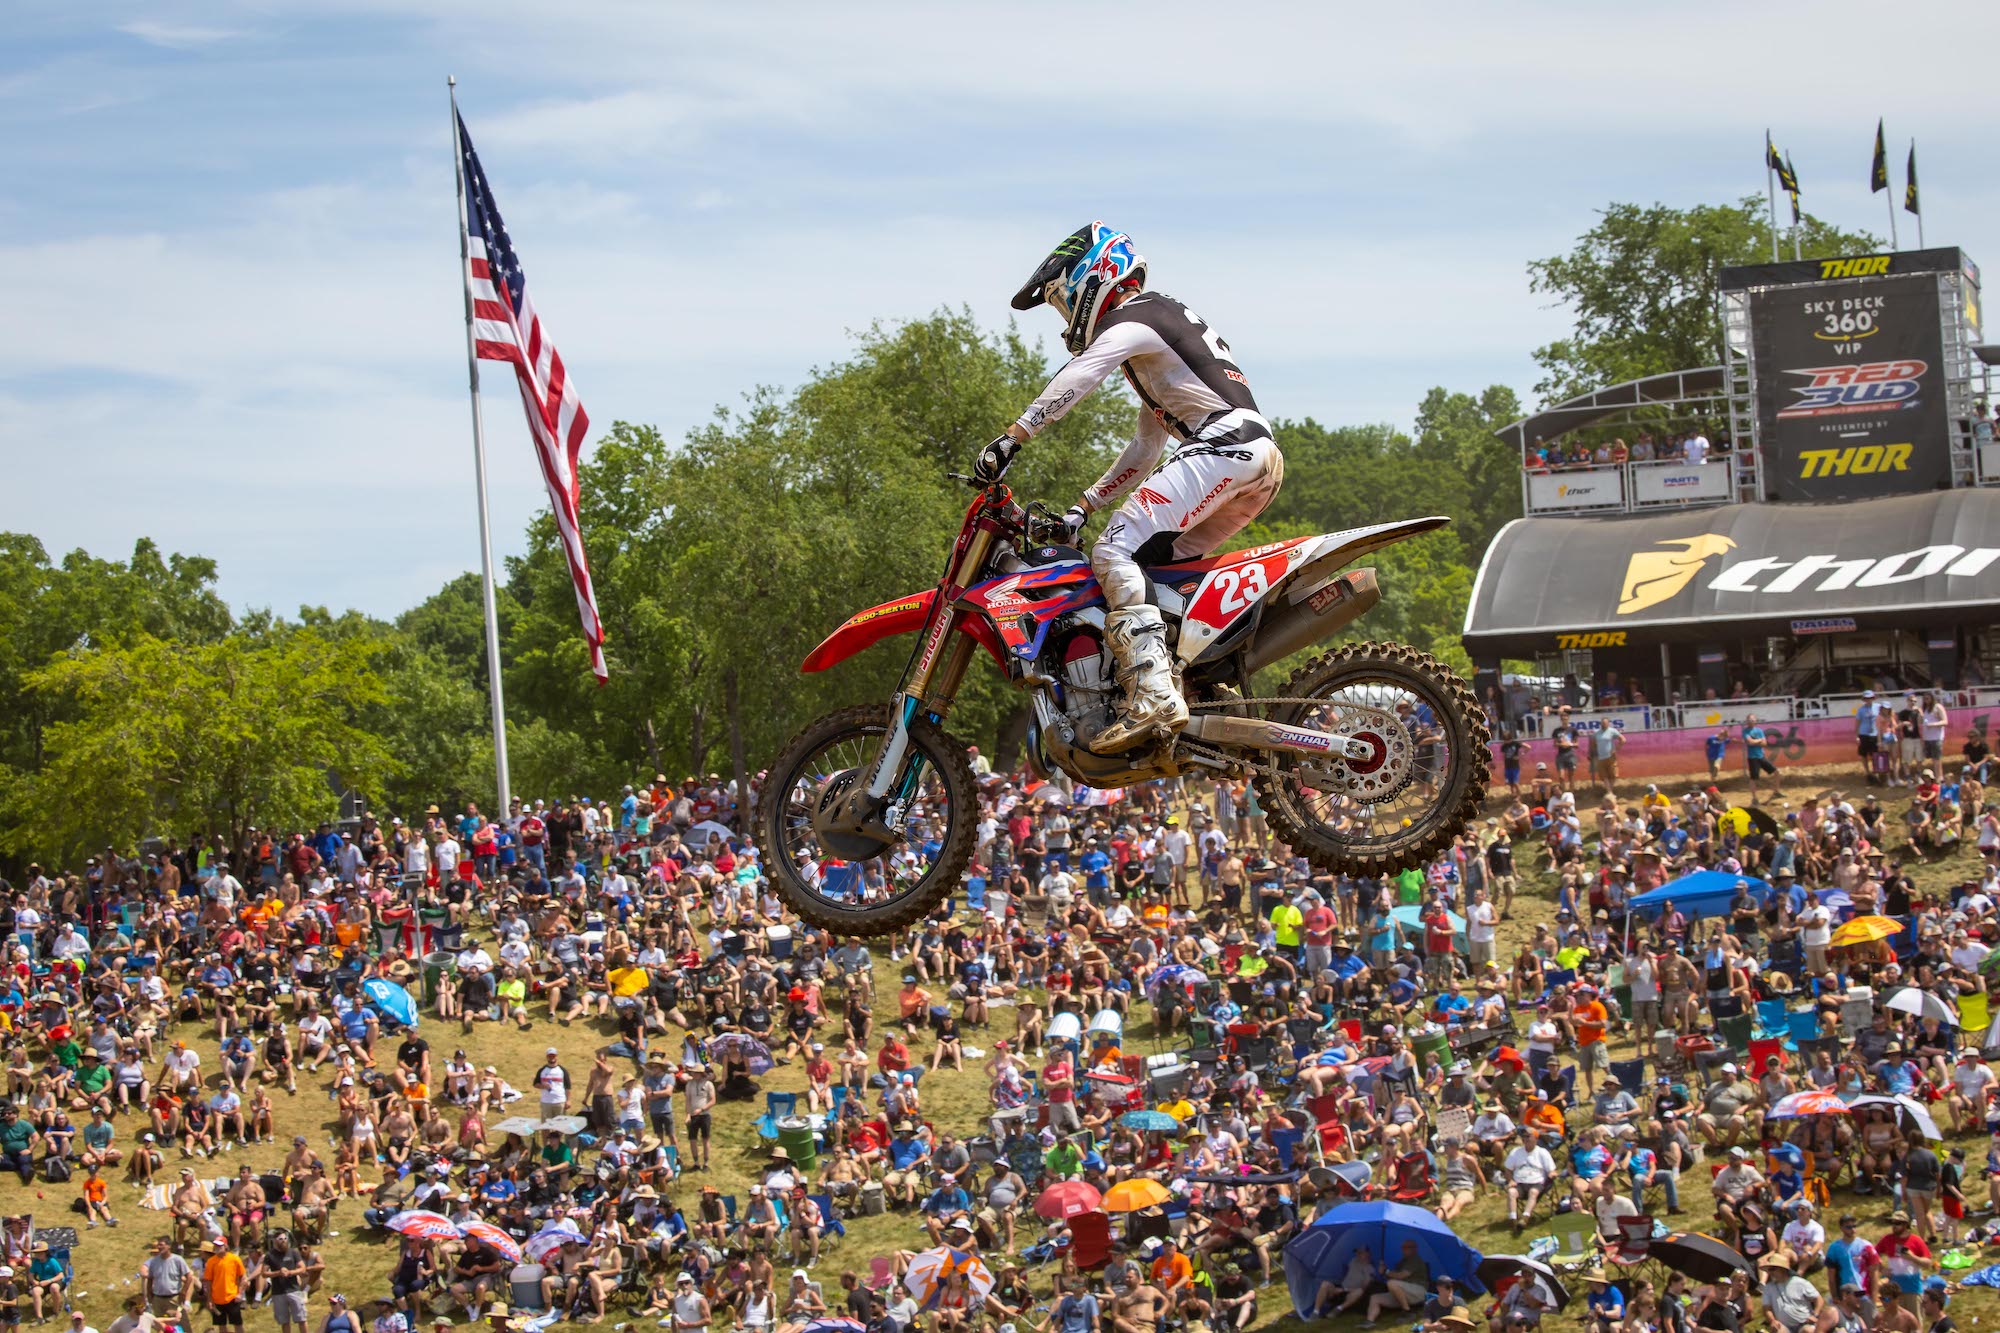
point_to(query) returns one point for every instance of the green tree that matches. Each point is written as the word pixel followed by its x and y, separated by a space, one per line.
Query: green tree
pixel 177 738
pixel 1455 433
pixel 47 608
pixel 1641 288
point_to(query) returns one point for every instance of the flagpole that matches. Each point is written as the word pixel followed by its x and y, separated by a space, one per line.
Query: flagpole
pixel 1771 187
pixel 479 472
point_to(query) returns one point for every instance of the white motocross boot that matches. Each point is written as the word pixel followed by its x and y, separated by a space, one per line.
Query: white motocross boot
pixel 1138 640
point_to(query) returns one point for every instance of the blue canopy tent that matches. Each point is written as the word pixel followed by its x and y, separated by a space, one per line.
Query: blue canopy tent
pixel 1410 918
pixel 1697 894
pixel 1322 1251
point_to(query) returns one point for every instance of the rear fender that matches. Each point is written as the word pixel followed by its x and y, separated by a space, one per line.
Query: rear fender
pixel 905 615
pixel 1336 550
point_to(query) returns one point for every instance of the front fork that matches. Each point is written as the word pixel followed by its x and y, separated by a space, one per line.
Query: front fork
pixel 929 687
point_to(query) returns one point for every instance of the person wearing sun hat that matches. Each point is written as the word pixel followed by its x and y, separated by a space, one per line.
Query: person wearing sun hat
pixel 1791 1302
pixel 1604 1307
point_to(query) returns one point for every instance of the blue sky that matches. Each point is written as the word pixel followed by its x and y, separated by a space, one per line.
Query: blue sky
pixel 228 237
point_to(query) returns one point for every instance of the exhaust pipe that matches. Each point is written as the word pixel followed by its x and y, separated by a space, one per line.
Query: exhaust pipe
pixel 1309 617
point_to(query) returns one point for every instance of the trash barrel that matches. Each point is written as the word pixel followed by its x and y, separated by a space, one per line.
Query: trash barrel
pixel 435 966
pixel 1431 1046
pixel 795 1136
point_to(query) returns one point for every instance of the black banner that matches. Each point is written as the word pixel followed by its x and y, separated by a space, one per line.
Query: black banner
pixel 1945 259
pixel 1850 388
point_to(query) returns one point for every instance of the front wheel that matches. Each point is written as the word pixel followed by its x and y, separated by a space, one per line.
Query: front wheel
pixel 875 887
pixel 1409 799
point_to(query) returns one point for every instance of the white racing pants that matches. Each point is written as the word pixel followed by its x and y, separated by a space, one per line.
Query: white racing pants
pixel 1209 491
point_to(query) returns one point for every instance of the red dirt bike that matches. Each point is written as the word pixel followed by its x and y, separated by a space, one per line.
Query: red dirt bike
pixel 1367 761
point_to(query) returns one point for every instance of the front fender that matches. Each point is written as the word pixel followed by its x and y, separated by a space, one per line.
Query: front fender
pixel 905 615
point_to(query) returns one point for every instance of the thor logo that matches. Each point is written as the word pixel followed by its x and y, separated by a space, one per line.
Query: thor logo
pixel 1858 460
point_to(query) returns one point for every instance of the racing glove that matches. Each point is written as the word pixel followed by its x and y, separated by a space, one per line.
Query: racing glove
pixel 1073 519
pixel 991 465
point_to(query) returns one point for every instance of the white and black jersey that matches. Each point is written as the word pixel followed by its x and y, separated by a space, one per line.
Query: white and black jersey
pixel 1189 386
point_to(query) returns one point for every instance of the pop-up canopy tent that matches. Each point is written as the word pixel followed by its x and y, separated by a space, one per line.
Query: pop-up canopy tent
pixel 1322 1250
pixel 1697 894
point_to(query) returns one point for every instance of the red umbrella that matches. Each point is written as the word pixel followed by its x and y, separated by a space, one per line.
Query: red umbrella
pixel 1067 1198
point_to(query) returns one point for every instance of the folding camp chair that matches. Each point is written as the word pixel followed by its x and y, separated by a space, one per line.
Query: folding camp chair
pixel 777 1105
pixel 1576 1240
pixel 1803 1027
pixel 1631 1075
pixel 1412 1178
pixel 1765 1050
pixel 1633 1241
pixel 1736 1031
pixel 831 1227
pixel 1772 1018
pixel 1090 1240
pixel 1286 1141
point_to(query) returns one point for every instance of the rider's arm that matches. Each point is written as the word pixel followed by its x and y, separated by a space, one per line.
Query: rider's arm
pixel 1140 457
pixel 1081 376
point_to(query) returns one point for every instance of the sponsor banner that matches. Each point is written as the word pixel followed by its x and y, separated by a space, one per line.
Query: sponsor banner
pixel 1655 483
pixel 1592 489
pixel 1920 561
pixel 1850 387
pixel 1946 259
pixel 1825 625
pixel 1627 720
pixel 1647 755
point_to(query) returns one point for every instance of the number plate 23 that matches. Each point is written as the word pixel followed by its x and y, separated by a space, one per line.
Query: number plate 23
pixel 1228 592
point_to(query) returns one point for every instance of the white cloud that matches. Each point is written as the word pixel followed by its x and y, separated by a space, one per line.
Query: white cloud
pixel 177 36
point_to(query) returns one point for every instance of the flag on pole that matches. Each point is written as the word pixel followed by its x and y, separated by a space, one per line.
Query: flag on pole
pixel 1878 175
pixel 1910 204
pixel 1792 188
pixel 1782 164
pixel 506 328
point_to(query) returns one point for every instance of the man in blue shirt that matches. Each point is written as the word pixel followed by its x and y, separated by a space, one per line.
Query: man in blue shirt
pixel 1898 1073
pixel 1849 1257
pixel 1451 1006
pixel 1096 867
pixel 1605 1306
pixel 906 1158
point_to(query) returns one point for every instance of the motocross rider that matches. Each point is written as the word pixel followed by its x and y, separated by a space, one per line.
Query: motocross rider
pixel 1224 470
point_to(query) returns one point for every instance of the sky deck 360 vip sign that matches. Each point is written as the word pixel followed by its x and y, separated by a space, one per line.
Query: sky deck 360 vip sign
pixel 1850 387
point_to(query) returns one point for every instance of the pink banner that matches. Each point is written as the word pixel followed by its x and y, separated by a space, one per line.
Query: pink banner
pixel 1662 754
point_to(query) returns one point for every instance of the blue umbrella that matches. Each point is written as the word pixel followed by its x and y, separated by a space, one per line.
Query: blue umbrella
pixel 1158 1121
pixel 1322 1251
pixel 394 1002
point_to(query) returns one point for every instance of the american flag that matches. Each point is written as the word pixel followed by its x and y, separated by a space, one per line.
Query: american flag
pixel 506 328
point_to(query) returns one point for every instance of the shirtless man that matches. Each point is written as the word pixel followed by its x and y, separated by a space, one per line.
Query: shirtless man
pixel 1677 989
pixel 246 1209
pixel 1229 882
pixel 1140 1310
pixel 312 1202
pixel 189 1201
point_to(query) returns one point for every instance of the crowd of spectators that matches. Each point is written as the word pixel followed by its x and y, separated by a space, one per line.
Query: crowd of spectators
pixel 1570 455
pixel 1313 1039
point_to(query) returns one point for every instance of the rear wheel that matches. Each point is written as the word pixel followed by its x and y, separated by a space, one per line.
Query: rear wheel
pixel 1422 781
pixel 873 887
